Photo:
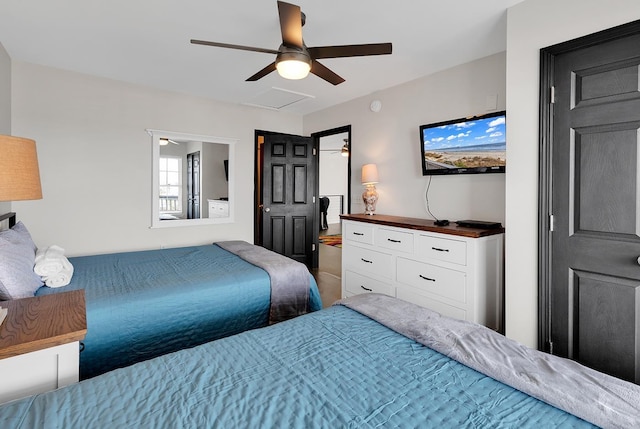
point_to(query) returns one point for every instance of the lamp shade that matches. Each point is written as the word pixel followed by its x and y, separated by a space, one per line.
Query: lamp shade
pixel 19 174
pixel 369 174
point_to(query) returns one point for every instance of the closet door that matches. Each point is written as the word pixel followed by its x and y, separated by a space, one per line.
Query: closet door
pixel 594 294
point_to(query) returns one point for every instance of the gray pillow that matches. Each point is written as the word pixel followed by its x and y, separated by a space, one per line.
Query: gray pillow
pixel 17 258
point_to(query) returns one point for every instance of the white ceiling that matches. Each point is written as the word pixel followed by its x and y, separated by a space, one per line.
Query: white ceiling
pixel 147 42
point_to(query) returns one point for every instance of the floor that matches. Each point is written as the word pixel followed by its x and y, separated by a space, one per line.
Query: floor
pixel 328 273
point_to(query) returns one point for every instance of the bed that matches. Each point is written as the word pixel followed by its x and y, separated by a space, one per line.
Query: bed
pixel 144 304
pixel 342 367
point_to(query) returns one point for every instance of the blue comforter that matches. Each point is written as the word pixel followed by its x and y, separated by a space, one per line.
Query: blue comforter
pixel 330 369
pixel 144 304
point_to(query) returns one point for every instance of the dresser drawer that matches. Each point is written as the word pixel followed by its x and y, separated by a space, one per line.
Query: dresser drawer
pixel 218 208
pixel 442 249
pixel 436 280
pixel 362 233
pixel 369 262
pixel 356 283
pixel 395 240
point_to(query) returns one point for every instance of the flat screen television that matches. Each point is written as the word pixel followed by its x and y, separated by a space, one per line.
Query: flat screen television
pixel 464 146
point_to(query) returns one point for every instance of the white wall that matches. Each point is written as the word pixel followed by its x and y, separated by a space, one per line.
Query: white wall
pixel 5 92
pixel 5 105
pixel 214 182
pixel 95 158
pixel 333 182
pixel 391 139
pixel 532 25
pixel 333 173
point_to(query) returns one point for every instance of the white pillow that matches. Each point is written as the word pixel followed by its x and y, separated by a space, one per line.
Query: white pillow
pixel 17 258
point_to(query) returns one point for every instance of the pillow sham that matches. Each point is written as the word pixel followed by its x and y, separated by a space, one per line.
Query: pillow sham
pixel 17 258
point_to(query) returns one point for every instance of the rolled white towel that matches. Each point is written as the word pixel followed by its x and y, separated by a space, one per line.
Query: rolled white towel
pixel 49 261
pixel 62 277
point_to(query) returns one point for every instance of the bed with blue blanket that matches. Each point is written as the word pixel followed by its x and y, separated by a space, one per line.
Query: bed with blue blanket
pixel 144 304
pixel 363 364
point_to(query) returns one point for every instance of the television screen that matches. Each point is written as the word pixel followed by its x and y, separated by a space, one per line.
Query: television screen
pixel 465 145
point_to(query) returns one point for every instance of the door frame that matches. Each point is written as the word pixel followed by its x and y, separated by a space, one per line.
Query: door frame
pixel 316 144
pixel 545 180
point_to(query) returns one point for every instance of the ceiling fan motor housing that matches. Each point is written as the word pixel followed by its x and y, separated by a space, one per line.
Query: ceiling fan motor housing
pixel 286 53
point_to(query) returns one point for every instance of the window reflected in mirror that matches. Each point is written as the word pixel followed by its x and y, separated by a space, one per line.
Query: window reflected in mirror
pixel 193 179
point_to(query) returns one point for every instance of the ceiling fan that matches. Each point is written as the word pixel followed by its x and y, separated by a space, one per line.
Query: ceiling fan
pixel 165 141
pixel 294 60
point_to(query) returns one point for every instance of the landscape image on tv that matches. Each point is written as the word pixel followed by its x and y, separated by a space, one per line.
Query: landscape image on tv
pixel 470 145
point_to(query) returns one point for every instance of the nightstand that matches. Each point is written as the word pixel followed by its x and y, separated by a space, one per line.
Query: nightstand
pixel 40 343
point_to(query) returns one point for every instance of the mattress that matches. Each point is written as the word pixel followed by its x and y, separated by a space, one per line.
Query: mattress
pixel 334 368
pixel 144 304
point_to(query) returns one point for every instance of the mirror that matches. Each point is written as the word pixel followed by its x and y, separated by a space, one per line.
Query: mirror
pixel 192 179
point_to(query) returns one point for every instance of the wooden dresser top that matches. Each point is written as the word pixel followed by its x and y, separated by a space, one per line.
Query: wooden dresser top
pixel 422 225
pixel 41 322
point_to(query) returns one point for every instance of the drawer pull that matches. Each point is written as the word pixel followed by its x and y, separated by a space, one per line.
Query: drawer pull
pixel 426 278
pixel 394 241
pixel 358 233
pixel 439 249
pixel 366 288
pixel 368 262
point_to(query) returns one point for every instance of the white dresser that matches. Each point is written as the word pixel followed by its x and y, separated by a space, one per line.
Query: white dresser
pixel 455 271
pixel 218 208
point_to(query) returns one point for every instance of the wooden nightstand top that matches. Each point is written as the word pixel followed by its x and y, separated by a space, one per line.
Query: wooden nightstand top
pixel 41 322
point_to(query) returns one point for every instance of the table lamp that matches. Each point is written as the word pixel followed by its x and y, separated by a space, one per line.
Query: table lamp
pixel 370 195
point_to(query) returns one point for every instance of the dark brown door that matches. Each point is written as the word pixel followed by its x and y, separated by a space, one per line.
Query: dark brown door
pixel 193 185
pixel 288 200
pixel 595 180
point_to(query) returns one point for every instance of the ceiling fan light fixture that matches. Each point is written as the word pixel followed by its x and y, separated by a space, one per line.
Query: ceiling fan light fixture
pixel 345 148
pixel 164 142
pixel 293 65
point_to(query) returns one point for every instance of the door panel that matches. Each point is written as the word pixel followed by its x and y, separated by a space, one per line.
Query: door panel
pixel 608 159
pixel 277 234
pixel 595 276
pixel 609 80
pixel 300 184
pixel 604 306
pixel 278 183
pixel 299 236
pixel 288 202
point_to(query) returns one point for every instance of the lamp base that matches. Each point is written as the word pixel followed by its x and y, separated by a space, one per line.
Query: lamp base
pixel 370 198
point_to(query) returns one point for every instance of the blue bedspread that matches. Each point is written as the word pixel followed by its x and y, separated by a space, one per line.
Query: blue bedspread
pixel 144 304
pixel 330 369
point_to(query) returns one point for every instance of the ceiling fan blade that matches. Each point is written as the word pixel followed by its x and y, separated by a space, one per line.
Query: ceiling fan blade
pixel 350 50
pixel 227 45
pixel 262 73
pixel 326 74
pixel 290 24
